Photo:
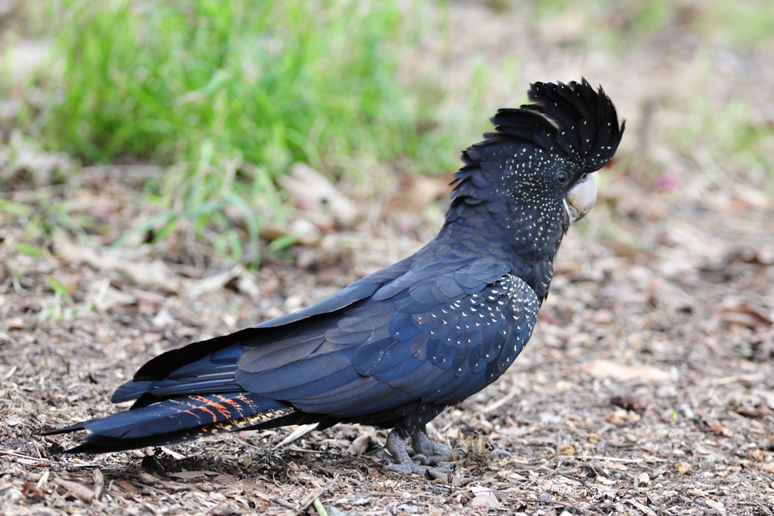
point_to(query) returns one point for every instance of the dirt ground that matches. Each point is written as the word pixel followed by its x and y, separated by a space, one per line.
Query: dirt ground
pixel 646 388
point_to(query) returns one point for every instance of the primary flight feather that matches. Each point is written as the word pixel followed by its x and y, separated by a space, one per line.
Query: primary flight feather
pixel 397 347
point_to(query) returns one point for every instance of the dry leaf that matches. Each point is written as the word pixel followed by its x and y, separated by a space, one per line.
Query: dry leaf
pixel 360 444
pixel 447 477
pixel 303 231
pixel 615 465
pixel 313 193
pixel 14 323
pixel 715 505
pixel 215 282
pixel 744 313
pixel 147 478
pixel 622 416
pixel 32 492
pixel 484 497
pixel 175 486
pixel 156 273
pixel 187 475
pixel 683 468
pixel 126 486
pixel 223 511
pixel 644 508
pixel 608 368
pixel 413 196
pixel 629 402
pixel 755 454
pixel 224 479
pixel 80 491
pixel 99 483
pixel 767 466
pixel 110 297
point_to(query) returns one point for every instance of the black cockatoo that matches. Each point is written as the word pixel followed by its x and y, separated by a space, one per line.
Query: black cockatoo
pixel 397 347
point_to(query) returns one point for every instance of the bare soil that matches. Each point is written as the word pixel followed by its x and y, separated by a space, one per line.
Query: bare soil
pixel 646 388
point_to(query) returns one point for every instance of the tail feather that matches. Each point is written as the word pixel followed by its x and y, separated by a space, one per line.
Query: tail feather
pixel 210 374
pixel 176 420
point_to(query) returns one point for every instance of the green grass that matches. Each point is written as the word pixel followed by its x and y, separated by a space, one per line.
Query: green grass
pixel 745 24
pixel 620 25
pixel 731 136
pixel 230 94
pixel 193 80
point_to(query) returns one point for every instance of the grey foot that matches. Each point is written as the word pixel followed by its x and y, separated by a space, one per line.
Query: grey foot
pixel 427 452
pixel 398 458
pixel 405 468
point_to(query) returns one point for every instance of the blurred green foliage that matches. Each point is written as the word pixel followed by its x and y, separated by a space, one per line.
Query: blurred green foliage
pixel 231 94
pixel 727 143
pixel 194 80
pixel 616 25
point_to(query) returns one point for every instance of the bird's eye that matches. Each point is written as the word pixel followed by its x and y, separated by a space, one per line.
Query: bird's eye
pixel 562 177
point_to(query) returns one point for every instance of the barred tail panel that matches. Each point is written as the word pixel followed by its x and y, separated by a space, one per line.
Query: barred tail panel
pixel 177 420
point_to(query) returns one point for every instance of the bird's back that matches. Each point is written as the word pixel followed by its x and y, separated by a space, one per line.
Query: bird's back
pixel 430 330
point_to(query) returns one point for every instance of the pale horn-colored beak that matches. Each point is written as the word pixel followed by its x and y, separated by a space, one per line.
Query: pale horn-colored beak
pixel 579 201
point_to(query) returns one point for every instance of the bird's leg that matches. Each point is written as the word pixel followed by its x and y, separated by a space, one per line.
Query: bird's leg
pixel 426 451
pixel 401 462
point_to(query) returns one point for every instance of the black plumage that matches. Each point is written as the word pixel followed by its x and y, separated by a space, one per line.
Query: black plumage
pixel 397 347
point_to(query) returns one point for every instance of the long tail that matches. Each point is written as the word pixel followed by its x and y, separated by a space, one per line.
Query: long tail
pixel 176 420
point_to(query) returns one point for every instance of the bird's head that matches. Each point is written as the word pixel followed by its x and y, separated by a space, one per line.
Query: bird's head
pixel 534 173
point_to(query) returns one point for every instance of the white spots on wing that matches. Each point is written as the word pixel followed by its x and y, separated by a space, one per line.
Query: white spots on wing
pixel 506 310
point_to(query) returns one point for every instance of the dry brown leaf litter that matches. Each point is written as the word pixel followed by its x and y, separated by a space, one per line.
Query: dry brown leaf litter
pixel 647 388
pixel 640 392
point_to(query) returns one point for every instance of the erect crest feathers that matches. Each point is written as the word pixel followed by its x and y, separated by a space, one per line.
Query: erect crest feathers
pixel 572 119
